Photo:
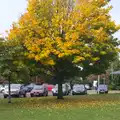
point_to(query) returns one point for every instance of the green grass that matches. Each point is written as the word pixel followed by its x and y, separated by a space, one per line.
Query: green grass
pixel 92 107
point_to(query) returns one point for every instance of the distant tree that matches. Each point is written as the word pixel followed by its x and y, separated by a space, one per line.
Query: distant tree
pixel 114 78
pixel 115 65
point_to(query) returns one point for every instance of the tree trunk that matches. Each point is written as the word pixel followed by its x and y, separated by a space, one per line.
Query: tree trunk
pixel 71 85
pixel 60 92
pixel 9 96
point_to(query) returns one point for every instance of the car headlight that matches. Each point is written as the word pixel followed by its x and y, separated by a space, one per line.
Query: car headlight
pixel 42 91
pixel 54 91
pixel 74 90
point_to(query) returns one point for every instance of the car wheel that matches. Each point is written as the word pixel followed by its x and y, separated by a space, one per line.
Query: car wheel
pixel 39 95
pixel 106 92
pixel 24 95
pixel 46 93
pixel 20 95
pixel 66 93
pixel 32 95
pixel 5 96
pixel 17 96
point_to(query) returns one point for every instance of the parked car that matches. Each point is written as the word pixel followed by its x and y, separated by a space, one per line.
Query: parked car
pixel 24 89
pixel 65 89
pixel 14 88
pixel 87 86
pixel 50 87
pixel 79 89
pixel 102 88
pixel 39 90
pixel 2 87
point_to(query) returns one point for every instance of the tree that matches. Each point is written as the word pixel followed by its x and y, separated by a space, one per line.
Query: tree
pixel 65 34
pixel 12 63
pixel 114 74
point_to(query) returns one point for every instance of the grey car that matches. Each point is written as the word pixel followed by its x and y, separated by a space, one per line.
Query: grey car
pixel 15 88
pixel 102 88
pixel 79 89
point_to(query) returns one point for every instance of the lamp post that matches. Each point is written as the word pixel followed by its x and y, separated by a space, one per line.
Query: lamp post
pixel 112 70
pixel 9 90
pixel 98 82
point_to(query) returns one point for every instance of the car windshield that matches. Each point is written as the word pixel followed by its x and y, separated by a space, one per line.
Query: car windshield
pixel 63 86
pixel 78 87
pixel 102 86
pixel 31 85
pixel 38 87
pixel 15 86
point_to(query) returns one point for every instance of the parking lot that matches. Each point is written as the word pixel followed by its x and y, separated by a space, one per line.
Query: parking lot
pixel 1 95
pixel 89 92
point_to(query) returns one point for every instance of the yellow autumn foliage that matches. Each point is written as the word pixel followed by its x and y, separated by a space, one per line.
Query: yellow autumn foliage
pixel 53 29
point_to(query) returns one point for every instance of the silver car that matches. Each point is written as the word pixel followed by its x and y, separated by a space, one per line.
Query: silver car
pixel 2 87
pixel 79 89
pixel 102 88
pixel 14 89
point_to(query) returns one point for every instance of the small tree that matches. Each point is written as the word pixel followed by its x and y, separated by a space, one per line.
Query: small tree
pixel 12 63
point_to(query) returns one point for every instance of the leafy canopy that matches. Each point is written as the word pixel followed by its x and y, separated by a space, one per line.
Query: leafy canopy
pixel 12 61
pixel 78 31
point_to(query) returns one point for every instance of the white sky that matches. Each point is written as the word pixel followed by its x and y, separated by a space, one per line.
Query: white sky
pixel 115 13
pixel 10 11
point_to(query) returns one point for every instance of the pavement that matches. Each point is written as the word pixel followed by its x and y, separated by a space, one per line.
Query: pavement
pixel 114 91
pixel 110 91
pixel 1 95
pixel 90 92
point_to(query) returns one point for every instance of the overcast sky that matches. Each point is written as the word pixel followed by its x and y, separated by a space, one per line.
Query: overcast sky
pixel 10 11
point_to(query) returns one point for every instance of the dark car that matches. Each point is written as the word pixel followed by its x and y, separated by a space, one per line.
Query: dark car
pixel 79 89
pixel 24 89
pixel 102 88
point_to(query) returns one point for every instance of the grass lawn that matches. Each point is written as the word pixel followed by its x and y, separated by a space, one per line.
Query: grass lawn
pixel 89 107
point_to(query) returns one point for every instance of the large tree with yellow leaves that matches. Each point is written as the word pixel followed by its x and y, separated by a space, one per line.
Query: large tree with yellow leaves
pixel 63 34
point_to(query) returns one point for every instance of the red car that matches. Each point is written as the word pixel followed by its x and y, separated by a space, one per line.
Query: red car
pixel 50 87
